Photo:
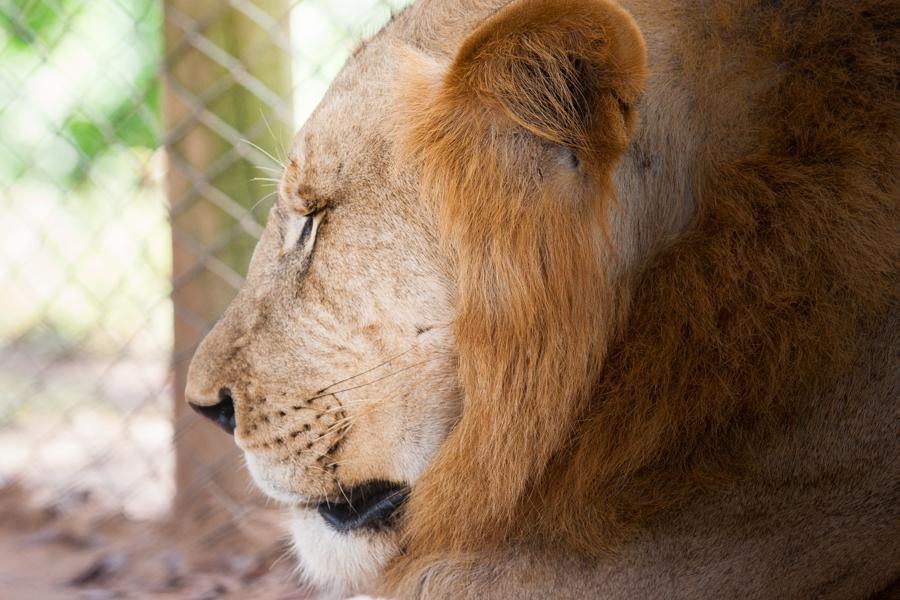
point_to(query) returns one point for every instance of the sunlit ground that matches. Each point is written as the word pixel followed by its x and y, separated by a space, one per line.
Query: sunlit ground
pixel 61 442
pixel 126 468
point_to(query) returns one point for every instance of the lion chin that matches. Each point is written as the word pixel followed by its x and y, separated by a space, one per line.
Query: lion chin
pixel 581 299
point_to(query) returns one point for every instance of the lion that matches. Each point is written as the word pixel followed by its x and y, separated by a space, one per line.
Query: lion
pixel 584 299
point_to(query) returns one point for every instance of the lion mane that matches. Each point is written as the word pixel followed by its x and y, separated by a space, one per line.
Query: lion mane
pixel 596 396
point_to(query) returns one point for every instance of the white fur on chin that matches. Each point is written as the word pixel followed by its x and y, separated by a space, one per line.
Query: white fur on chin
pixel 339 565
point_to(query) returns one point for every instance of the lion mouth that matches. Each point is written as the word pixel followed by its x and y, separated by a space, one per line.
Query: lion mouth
pixel 370 505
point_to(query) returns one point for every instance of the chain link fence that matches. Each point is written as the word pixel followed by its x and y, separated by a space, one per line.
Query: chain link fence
pixel 139 144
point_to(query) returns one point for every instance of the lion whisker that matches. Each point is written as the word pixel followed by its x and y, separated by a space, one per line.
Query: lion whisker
pixel 341 489
pixel 376 380
pixel 369 370
pixel 263 199
pixel 343 425
pixel 264 151
pixel 379 365
pixel 356 402
pixel 277 139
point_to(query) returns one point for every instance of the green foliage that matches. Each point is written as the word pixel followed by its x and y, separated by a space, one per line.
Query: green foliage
pixel 84 243
pixel 104 56
pixel 125 123
pixel 29 22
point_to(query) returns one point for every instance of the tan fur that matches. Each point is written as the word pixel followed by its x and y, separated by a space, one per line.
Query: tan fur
pixel 625 332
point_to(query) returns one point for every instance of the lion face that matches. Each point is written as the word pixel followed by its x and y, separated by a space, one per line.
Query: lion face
pixel 336 355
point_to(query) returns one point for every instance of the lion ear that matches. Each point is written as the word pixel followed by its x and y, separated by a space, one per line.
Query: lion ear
pixel 568 71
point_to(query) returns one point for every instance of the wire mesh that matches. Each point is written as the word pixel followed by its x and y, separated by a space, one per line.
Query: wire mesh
pixel 136 139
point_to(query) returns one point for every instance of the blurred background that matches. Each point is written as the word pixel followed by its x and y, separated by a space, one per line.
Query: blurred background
pixel 139 141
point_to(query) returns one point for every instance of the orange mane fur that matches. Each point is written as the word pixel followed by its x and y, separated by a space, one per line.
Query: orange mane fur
pixel 592 401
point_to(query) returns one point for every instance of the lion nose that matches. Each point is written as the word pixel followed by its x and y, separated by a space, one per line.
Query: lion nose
pixel 221 413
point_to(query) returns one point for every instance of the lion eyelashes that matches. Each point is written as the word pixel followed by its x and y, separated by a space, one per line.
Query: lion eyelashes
pixel 300 232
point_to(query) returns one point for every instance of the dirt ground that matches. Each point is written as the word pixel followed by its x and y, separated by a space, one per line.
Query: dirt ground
pixel 73 548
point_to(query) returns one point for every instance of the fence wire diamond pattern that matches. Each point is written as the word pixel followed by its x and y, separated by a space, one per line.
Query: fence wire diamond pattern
pixel 139 140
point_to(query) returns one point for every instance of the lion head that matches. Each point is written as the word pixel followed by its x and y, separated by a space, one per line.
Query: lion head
pixel 370 300
pixel 468 319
